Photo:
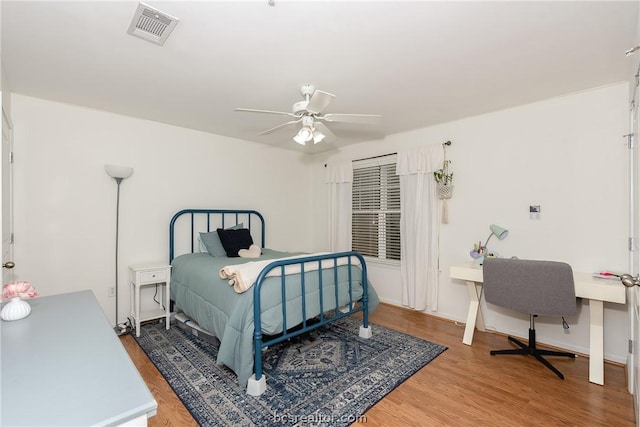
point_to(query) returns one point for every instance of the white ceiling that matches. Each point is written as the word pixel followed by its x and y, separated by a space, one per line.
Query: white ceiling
pixel 415 63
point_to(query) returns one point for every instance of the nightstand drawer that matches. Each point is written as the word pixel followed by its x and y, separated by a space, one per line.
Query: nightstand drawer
pixel 154 276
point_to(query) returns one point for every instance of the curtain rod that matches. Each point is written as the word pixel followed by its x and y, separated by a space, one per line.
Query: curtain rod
pixel 448 143
pixel 369 158
pixel 375 157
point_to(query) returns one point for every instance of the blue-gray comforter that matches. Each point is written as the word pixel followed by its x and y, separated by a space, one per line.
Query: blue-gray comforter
pixel 199 292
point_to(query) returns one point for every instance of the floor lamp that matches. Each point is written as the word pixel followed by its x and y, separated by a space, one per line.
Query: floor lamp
pixel 118 173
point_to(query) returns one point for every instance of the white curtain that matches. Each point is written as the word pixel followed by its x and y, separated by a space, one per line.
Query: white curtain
pixel 419 225
pixel 339 177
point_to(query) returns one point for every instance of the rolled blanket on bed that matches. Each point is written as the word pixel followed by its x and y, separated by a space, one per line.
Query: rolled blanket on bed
pixel 243 276
pixel 253 252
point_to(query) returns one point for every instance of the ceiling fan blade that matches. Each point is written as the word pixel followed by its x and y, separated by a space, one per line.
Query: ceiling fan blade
pixel 319 101
pixel 352 118
pixel 325 130
pixel 292 122
pixel 251 110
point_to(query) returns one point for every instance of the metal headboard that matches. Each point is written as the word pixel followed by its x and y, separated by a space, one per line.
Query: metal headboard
pixel 189 222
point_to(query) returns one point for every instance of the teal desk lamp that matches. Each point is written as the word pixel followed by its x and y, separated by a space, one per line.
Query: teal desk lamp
pixel 479 251
pixel 497 231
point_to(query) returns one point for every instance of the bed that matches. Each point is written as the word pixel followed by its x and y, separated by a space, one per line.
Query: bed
pixel 317 289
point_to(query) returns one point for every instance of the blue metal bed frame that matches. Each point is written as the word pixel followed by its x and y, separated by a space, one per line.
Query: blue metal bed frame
pixel 224 214
pixel 257 384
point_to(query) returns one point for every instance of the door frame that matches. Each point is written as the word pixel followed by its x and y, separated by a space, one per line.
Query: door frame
pixel 6 213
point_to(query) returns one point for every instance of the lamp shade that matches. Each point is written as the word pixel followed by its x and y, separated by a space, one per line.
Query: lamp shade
pixel 121 172
pixel 303 136
pixel 318 136
pixel 500 232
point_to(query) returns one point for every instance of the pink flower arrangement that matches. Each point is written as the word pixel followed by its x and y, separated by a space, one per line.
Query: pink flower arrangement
pixel 18 289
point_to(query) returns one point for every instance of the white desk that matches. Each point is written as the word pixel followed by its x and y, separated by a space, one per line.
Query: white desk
pixel 597 291
pixel 64 366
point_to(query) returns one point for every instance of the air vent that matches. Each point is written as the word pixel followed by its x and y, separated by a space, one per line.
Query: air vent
pixel 152 25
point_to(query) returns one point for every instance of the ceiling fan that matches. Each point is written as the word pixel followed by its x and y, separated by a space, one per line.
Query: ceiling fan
pixel 309 113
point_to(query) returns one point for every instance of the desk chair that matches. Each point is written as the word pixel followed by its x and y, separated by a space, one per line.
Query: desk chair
pixel 532 287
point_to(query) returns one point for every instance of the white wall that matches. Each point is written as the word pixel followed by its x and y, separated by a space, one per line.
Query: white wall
pixel 65 202
pixel 566 154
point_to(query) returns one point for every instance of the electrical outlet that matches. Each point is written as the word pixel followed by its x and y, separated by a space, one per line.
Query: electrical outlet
pixel 111 291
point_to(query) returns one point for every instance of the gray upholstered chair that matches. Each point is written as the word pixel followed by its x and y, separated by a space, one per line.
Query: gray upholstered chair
pixel 532 287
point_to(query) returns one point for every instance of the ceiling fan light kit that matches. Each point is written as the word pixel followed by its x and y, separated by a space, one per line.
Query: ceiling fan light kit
pixel 309 113
pixel 303 136
pixel 318 137
pixel 308 132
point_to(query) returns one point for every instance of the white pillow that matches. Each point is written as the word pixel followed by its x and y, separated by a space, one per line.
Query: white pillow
pixel 201 246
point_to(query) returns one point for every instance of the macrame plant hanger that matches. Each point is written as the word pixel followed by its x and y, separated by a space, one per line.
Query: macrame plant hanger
pixel 444 183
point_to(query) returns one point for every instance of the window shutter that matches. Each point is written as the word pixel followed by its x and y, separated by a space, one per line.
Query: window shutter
pixel 376 209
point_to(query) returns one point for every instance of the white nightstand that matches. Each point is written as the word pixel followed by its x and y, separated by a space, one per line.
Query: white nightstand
pixel 150 274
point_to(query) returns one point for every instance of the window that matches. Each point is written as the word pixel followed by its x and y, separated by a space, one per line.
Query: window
pixel 376 208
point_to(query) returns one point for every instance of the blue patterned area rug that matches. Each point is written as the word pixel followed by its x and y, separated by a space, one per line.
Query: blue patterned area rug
pixel 329 377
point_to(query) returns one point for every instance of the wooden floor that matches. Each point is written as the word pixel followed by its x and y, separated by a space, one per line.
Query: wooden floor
pixel 464 386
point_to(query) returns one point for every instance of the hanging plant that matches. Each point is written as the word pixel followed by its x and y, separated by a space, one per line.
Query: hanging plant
pixel 443 176
pixel 444 186
pixel 444 181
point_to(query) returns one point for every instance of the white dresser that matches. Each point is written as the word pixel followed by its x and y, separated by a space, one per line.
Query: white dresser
pixel 63 365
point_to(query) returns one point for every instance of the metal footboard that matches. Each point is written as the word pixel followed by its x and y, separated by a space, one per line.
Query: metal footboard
pixel 257 384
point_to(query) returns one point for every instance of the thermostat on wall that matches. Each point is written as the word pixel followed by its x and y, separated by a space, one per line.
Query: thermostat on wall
pixel 534 211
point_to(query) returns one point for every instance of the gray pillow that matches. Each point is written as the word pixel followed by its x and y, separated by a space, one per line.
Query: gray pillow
pixel 212 241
